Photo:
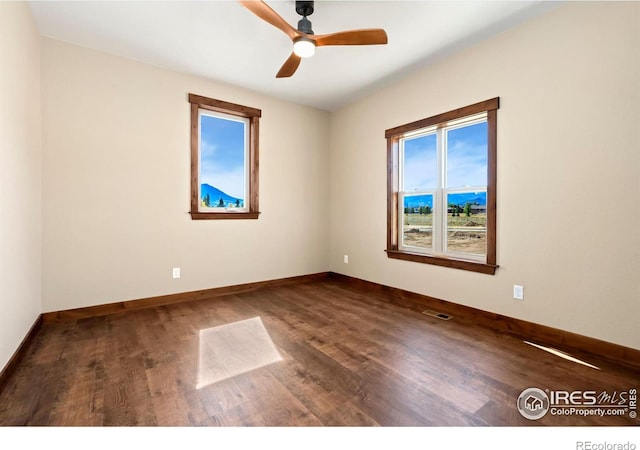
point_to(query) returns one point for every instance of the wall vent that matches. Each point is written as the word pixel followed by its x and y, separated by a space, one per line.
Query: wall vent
pixel 436 314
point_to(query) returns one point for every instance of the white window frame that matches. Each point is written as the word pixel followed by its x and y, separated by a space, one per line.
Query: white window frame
pixel 246 126
pixel 231 111
pixel 395 195
pixel 439 192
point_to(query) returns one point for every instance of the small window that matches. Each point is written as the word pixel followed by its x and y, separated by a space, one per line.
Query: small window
pixel 224 159
pixel 441 203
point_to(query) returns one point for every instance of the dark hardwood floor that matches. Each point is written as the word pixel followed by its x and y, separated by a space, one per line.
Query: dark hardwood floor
pixel 337 356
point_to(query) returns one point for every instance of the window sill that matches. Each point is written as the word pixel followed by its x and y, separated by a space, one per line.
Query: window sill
pixel 472 266
pixel 223 215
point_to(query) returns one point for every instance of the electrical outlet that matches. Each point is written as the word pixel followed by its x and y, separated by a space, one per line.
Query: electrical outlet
pixel 518 292
pixel 176 272
pixel 345 259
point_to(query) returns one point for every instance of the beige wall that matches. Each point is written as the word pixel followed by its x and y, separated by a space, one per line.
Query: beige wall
pixel 116 185
pixel 568 171
pixel 20 176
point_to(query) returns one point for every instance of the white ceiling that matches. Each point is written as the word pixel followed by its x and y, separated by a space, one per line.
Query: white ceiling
pixel 224 41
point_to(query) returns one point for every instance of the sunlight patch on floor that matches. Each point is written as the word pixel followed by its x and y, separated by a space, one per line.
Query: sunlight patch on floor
pixel 562 354
pixel 232 349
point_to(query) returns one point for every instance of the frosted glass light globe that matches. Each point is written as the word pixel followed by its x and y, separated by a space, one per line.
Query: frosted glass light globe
pixel 304 48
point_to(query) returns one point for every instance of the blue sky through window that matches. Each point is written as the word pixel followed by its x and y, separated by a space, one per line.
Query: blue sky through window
pixel 466 159
pixel 222 155
pixel 467 156
pixel 420 163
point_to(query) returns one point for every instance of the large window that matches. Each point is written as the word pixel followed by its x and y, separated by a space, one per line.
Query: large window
pixel 224 159
pixel 441 206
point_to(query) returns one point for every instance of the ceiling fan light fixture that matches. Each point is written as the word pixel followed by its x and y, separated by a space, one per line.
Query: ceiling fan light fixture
pixel 304 39
pixel 304 47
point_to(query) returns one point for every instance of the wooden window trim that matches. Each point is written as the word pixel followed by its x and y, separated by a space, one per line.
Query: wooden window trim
pixel 393 136
pixel 199 102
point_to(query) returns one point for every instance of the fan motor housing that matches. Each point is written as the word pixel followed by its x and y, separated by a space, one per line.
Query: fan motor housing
pixel 304 25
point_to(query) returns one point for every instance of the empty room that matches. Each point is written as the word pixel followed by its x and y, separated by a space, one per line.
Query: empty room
pixel 323 214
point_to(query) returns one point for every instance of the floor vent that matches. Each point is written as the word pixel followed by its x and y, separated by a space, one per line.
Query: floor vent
pixel 436 314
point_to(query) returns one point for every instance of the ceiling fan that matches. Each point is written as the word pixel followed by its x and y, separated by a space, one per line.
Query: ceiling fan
pixel 304 41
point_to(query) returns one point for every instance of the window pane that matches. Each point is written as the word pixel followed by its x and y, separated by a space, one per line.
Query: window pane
pixel 417 224
pixel 222 162
pixel 420 163
pixel 467 156
pixel 467 222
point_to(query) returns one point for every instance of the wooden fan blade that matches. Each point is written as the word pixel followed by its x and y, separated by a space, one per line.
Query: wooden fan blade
pixel 289 67
pixel 264 11
pixel 371 36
